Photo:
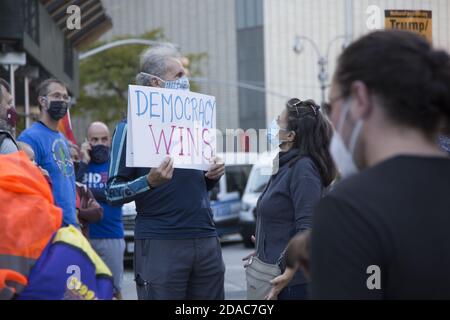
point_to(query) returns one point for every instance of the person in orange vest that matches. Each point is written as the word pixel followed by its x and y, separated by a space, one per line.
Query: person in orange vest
pixel 40 260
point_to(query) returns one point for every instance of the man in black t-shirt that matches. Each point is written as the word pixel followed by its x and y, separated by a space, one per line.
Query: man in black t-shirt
pixel 384 231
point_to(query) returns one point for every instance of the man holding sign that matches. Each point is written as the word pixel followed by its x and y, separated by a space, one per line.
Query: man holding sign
pixel 177 251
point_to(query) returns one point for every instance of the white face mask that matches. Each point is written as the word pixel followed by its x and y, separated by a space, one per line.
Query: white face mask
pixel 178 84
pixel 273 134
pixel 343 155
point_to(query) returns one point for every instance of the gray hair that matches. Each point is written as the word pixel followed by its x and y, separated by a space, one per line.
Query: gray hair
pixel 153 61
pixel 3 124
pixel 3 83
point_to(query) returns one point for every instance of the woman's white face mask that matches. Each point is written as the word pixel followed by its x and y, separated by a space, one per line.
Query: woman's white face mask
pixel 273 134
pixel 343 155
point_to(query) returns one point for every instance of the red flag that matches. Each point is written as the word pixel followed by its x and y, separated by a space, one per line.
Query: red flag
pixel 65 126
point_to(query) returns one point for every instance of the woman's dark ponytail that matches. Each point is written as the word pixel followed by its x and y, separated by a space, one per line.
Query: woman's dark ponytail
pixel 313 132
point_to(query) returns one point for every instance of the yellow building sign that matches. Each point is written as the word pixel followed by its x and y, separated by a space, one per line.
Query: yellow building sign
pixel 419 21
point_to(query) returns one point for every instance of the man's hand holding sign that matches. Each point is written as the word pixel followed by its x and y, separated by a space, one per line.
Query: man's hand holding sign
pixel 217 169
pixel 162 174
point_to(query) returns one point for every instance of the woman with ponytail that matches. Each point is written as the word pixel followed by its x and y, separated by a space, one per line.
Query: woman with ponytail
pixel 284 209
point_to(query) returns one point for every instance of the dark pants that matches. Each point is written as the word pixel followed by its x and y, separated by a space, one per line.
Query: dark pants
pixel 297 292
pixel 188 269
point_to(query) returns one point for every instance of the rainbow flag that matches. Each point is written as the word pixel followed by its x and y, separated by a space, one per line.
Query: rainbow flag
pixel 65 126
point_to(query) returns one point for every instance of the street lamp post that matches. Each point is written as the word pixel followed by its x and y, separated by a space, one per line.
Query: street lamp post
pixel 323 59
pixel 132 41
pixel 117 43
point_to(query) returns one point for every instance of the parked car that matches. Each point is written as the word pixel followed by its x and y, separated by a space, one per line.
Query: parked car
pixel 128 218
pixel 226 196
pixel 225 200
pixel 257 181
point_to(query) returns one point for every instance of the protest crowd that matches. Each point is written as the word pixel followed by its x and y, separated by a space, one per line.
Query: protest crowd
pixel 361 189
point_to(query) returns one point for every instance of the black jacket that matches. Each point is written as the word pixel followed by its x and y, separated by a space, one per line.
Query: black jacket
pixel 286 206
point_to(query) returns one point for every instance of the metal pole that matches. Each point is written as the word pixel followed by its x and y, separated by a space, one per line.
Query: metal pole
pixel 239 85
pixel 12 81
pixel 323 60
pixel 27 102
pixel 311 41
pixel 348 21
pixel 333 41
pixel 323 77
pixel 322 63
pixel 87 54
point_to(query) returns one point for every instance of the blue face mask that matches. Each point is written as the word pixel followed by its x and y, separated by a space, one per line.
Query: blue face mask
pixel 179 84
pixel 273 134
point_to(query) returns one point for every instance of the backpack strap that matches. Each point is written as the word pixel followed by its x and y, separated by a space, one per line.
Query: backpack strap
pixel 5 134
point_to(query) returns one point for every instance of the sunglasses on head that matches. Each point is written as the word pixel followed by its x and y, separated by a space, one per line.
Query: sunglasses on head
pixel 297 104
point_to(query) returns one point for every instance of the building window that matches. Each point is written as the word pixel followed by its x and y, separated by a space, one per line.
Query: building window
pixel 31 17
pixel 250 55
pixel 68 58
pixel 249 13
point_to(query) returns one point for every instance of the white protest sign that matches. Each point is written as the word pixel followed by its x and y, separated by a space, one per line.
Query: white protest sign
pixel 167 122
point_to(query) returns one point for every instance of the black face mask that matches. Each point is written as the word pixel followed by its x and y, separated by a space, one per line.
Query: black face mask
pixel 57 109
pixel 76 165
pixel 99 153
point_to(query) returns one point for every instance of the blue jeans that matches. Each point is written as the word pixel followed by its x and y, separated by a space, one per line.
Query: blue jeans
pixel 297 292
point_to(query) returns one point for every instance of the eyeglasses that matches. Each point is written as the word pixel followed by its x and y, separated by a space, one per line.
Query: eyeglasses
pixel 295 103
pixel 59 96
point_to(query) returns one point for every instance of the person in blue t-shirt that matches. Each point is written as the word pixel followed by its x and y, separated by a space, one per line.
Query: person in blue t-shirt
pixel 106 236
pixel 51 148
